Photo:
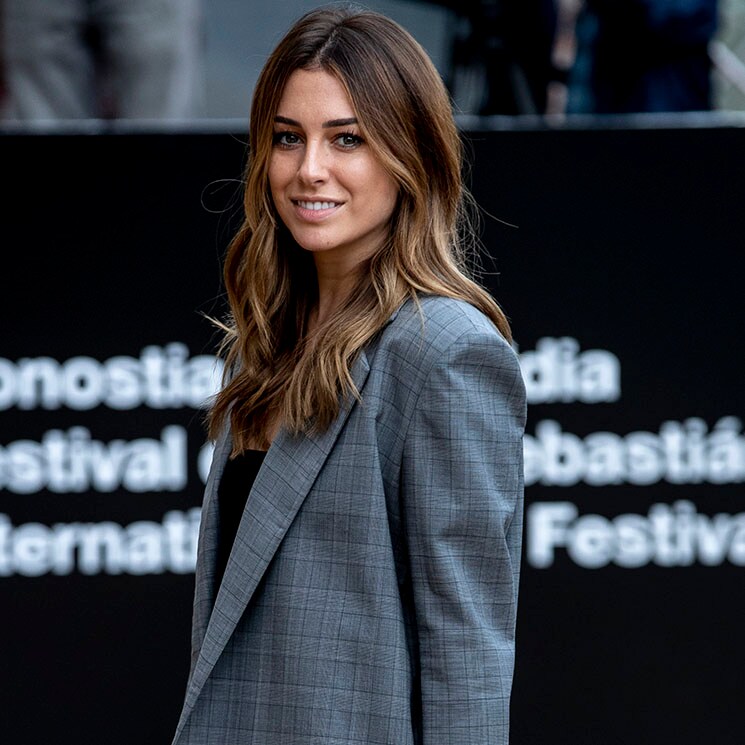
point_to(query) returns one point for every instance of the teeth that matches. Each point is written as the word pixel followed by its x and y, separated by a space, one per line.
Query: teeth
pixel 316 205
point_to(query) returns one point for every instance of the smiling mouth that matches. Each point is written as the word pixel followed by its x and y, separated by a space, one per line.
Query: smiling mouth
pixel 315 206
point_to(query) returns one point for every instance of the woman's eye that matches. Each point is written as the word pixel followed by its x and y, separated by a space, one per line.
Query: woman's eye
pixel 348 140
pixel 285 139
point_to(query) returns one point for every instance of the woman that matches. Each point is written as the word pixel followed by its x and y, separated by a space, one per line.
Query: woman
pixel 364 591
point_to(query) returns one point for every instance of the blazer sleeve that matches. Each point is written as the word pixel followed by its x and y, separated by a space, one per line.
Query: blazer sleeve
pixel 462 496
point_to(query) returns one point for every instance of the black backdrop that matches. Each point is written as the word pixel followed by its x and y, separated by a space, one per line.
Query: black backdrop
pixel 617 255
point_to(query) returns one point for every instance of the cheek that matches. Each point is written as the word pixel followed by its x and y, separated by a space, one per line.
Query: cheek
pixel 280 174
pixel 278 181
pixel 381 188
pixel 388 190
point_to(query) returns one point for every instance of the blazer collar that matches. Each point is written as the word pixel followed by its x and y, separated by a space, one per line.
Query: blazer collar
pixel 289 469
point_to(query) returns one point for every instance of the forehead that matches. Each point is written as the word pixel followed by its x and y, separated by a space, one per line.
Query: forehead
pixel 314 96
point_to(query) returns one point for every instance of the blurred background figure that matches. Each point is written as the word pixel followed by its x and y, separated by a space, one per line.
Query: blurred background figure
pixel 727 52
pixel 178 59
pixel 513 57
pixel 77 59
pixel 642 56
pixel 501 55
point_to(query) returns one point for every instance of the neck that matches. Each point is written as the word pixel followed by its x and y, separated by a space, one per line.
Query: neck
pixel 336 280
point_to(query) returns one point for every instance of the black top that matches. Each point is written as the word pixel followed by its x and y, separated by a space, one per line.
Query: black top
pixel 232 493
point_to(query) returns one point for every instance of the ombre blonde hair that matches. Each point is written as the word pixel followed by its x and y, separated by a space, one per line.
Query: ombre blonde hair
pixel 275 371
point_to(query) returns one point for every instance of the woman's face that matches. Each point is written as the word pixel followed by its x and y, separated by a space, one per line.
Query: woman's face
pixel 332 194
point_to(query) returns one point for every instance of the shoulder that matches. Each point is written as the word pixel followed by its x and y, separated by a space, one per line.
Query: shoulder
pixel 423 332
pixel 440 333
pixel 443 313
pixel 442 358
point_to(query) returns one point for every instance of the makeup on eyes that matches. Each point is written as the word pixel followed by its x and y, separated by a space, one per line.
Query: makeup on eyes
pixel 358 140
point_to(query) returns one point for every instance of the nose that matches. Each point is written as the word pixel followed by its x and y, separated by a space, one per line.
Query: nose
pixel 314 165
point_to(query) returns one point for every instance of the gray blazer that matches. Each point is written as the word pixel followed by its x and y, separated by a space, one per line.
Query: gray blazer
pixel 371 593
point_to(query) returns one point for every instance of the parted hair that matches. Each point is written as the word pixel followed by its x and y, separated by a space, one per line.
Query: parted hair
pixel 275 370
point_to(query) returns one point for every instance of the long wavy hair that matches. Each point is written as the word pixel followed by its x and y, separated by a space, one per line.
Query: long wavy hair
pixel 275 370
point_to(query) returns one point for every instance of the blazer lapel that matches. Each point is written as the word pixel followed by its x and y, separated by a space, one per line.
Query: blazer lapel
pixel 284 480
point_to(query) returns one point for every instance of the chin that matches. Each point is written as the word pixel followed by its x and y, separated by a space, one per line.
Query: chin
pixel 311 244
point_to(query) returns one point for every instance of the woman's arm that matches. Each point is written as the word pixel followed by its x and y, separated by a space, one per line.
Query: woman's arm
pixel 462 492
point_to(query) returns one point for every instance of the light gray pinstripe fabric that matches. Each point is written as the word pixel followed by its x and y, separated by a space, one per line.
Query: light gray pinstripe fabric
pixel 371 593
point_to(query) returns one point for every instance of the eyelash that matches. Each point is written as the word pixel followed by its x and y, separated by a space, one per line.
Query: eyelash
pixel 355 137
pixel 277 138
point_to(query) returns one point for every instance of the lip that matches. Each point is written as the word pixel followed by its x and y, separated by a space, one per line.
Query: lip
pixel 310 215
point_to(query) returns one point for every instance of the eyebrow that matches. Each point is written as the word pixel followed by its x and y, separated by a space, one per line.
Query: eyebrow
pixel 325 125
